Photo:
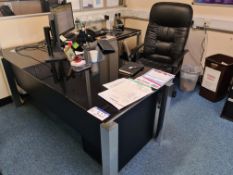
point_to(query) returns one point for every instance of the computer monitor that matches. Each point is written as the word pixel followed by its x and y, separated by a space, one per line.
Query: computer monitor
pixel 61 21
pixel 63 18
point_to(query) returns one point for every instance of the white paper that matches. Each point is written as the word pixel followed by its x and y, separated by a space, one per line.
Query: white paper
pixel 98 3
pixel 78 53
pixel 112 3
pixel 107 96
pixel 75 4
pixel 125 93
pixel 155 78
pixel 210 79
pixel 145 82
pixel 62 38
pixel 98 113
pixel 114 83
pixel 88 3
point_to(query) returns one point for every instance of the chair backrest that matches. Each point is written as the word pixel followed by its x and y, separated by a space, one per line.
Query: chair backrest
pixel 6 11
pixel 167 31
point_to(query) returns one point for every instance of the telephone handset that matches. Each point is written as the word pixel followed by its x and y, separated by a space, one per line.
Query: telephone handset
pixel 90 35
pixel 86 36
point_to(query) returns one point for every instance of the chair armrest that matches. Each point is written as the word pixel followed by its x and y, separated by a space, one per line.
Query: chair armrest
pixel 134 55
pixel 177 63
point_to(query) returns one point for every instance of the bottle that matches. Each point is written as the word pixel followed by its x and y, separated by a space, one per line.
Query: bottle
pixel 115 21
pixel 120 24
pixel 108 23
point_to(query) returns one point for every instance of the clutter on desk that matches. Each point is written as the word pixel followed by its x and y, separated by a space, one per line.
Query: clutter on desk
pixel 94 54
pixel 69 53
pixel 125 93
pixel 114 83
pixel 131 68
pixel 155 78
pixel 118 24
pixel 78 61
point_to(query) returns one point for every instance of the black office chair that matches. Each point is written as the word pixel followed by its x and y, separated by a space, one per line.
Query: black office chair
pixel 166 36
pixel 6 11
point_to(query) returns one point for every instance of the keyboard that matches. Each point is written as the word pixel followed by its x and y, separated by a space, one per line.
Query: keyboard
pixel 101 32
pixel 70 35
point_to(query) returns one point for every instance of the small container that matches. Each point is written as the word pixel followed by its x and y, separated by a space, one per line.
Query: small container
pixel 188 77
pixel 93 55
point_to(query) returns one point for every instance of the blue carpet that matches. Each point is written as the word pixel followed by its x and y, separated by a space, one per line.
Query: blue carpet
pixel 195 141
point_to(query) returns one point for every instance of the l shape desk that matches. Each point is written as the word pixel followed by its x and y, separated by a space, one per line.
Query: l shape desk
pixel 113 141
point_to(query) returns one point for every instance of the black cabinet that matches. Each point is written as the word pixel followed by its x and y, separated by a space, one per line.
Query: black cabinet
pixel 227 111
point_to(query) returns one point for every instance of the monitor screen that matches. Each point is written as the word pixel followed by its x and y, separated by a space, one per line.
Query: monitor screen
pixel 63 18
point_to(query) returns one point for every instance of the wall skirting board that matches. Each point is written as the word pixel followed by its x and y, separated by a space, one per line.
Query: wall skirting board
pixel 5 101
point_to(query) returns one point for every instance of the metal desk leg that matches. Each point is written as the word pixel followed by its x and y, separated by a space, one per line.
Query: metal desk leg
pixel 12 84
pixel 109 148
pixel 88 85
pixel 138 38
pixel 163 107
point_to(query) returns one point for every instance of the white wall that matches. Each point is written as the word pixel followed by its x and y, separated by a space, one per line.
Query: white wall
pixel 15 32
pixel 19 30
pixel 4 91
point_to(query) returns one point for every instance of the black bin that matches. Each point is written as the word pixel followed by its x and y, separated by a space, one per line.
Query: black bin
pixel 217 77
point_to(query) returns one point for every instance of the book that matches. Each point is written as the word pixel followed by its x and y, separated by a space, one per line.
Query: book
pixel 131 68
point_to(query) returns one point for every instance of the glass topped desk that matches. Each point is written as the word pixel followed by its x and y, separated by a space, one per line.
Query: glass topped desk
pixel 112 142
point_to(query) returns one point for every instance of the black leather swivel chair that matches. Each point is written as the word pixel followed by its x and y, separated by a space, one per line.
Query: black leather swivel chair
pixel 166 36
pixel 6 11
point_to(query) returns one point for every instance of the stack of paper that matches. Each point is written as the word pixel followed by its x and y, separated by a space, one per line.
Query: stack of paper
pixel 155 78
pixel 123 92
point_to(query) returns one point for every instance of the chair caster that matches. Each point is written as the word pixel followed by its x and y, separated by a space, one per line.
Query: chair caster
pixel 173 93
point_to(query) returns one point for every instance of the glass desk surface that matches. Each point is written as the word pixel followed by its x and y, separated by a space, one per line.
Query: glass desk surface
pixel 74 87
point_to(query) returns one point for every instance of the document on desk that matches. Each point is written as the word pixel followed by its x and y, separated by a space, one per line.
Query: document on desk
pixel 155 78
pixel 115 83
pixel 125 93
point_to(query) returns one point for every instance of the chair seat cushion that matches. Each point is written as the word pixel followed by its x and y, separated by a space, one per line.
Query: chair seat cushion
pixel 159 58
pixel 156 65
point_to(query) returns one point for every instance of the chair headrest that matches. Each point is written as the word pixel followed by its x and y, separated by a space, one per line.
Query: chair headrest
pixel 171 14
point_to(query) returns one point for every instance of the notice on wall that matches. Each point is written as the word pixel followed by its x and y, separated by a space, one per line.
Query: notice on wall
pixel 112 3
pixel 75 4
pixel 88 4
pixel 210 79
pixel 98 3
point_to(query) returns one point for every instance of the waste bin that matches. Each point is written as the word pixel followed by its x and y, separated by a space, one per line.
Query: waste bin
pixel 188 77
pixel 217 77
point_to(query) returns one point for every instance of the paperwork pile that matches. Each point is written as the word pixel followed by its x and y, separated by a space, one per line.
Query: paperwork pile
pixel 155 78
pixel 123 92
